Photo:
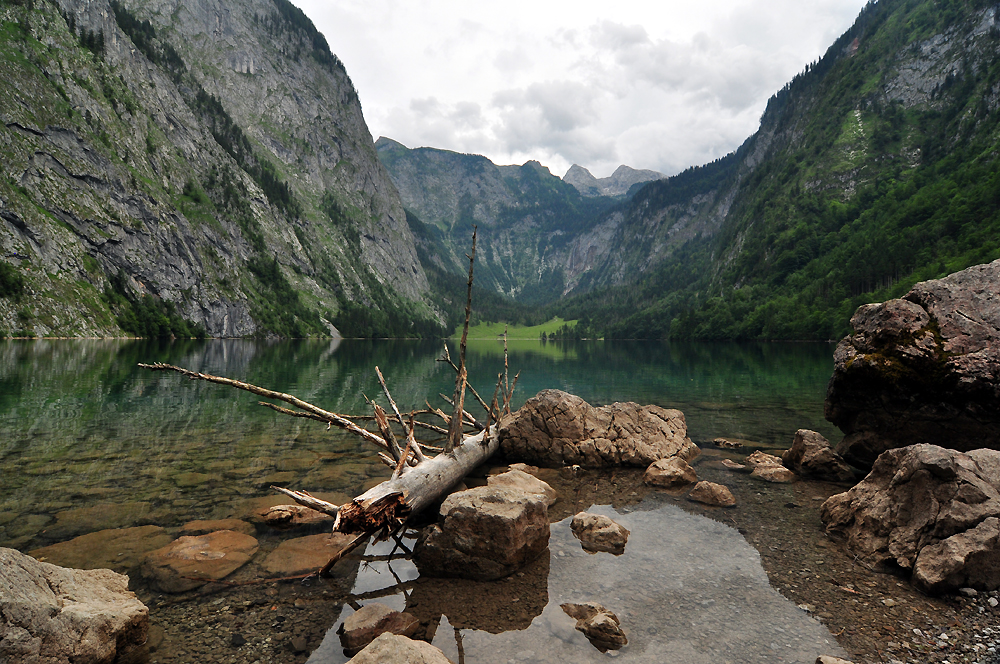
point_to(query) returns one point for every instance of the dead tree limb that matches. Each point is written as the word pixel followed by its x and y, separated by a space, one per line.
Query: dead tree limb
pixel 447 358
pixel 455 428
pixel 309 500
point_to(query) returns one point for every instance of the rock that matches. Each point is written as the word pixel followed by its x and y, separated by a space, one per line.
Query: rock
pixel 597 532
pixel 204 527
pixel 107 516
pixel 711 493
pixel 361 627
pixel 601 627
pixel 213 556
pixel 292 516
pixel 759 458
pixel 812 456
pixel 771 473
pixel 728 443
pixel 670 472
pixel 989 465
pixel 298 644
pixel 306 554
pixel 522 481
pixel 55 615
pixel 485 533
pixel 554 428
pixel 399 650
pixel 827 659
pixel 729 464
pixel 968 560
pixel 118 549
pixel 923 500
pixel 921 369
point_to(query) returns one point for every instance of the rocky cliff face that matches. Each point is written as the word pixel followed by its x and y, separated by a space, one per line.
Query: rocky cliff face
pixel 206 161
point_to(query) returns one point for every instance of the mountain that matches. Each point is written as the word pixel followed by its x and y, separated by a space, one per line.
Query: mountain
pixel 618 184
pixel 537 234
pixel 873 169
pixel 178 167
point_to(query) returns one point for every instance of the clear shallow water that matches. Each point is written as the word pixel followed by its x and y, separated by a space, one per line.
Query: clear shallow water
pixel 89 441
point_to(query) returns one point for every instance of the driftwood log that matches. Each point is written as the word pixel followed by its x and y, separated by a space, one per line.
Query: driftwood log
pixel 417 480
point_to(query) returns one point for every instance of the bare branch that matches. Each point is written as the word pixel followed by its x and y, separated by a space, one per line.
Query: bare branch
pixel 392 403
pixel 383 425
pixel 307 499
pixel 455 428
pixel 447 358
pixel 468 416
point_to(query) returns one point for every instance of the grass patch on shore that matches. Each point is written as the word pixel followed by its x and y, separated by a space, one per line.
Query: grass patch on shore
pixel 495 330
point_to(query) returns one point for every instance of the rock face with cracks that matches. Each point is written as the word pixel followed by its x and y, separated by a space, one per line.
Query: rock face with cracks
pixel 485 533
pixel 54 615
pixel 921 369
pixel 555 428
pixel 927 510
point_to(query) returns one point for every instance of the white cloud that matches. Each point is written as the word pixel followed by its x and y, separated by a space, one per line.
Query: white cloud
pixel 661 85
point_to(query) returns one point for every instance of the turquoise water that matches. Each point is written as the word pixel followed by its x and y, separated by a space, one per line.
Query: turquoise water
pixel 83 428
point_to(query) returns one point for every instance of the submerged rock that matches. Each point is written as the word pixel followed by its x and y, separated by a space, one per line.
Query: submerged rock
pixel 927 510
pixel 921 369
pixel 812 456
pixel 60 616
pixel 597 532
pixel 601 627
pixel 399 650
pixel 485 533
pixel 670 472
pixel 118 549
pixel 555 428
pixel 292 516
pixel 364 625
pixel 772 473
pixel 302 555
pixel 711 493
pixel 191 561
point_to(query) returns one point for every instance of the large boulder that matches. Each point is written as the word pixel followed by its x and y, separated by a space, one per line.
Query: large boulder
pixel 812 456
pixel 921 369
pixel 399 650
pixel 485 533
pixel 555 428
pixel 928 510
pixel 54 615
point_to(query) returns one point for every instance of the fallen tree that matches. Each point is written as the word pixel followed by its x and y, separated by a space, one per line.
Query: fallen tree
pixel 418 480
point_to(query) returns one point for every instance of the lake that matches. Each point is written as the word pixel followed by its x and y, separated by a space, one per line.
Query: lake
pixel 91 442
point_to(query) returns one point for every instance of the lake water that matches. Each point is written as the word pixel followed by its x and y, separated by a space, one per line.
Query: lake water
pixel 89 441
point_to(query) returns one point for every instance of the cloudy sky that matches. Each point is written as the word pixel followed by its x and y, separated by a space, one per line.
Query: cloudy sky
pixel 661 84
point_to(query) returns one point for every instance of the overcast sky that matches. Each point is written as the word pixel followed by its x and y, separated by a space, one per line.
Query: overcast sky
pixel 661 85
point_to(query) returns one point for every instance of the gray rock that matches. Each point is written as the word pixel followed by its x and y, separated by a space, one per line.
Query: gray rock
pixel 923 501
pixel 670 472
pixel 601 627
pixel 485 533
pixel 554 428
pixel 597 532
pixel 60 616
pixel 399 650
pixel 812 456
pixel 922 369
pixel 519 480
pixel 364 625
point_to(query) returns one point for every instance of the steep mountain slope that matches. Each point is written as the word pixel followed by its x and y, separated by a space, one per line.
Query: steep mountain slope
pixel 873 169
pixel 537 234
pixel 173 165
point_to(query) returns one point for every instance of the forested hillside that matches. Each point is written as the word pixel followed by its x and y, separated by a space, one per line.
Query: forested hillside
pixel 873 169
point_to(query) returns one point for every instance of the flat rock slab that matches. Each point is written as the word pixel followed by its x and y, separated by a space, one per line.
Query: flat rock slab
pixel 202 527
pixel 118 549
pixel 519 480
pixel 555 428
pixel 306 554
pixel 56 615
pixel 78 521
pixel 371 620
pixel 191 561
pixel 399 650
pixel 597 532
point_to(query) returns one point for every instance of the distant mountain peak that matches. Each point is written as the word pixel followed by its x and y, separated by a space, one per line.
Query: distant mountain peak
pixel 618 184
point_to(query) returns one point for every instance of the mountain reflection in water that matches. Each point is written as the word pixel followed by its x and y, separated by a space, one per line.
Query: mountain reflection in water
pixel 687 590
